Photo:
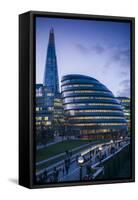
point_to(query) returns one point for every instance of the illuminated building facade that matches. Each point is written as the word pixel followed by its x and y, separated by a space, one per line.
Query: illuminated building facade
pixel 51 80
pixel 91 110
pixel 125 103
pixel 43 114
pixel 49 110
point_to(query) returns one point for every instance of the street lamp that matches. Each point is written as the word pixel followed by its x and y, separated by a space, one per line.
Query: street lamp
pixel 100 149
pixel 111 141
pixel 80 162
pixel 113 146
pixel 121 138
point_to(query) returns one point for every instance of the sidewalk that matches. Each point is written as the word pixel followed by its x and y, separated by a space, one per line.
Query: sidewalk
pixel 90 145
pixel 74 168
pixel 74 172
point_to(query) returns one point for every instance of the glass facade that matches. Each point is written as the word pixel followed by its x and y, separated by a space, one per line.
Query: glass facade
pixel 49 109
pixel 125 103
pixel 90 112
pixel 51 71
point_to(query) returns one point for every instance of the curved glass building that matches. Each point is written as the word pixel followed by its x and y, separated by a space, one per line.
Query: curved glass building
pixel 90 109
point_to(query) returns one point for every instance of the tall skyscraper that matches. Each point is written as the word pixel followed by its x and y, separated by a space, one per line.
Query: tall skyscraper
pixel 49 110
pixel 51 80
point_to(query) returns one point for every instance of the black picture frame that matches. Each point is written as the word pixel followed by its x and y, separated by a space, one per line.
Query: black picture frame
pixel 27 95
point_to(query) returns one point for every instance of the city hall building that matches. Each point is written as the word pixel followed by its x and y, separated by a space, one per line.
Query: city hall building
pixel 90 109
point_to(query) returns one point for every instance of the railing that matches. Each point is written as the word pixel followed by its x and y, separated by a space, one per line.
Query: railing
pixel 93 155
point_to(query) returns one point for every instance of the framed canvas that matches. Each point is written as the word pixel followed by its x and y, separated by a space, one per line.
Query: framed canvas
pixel 76 99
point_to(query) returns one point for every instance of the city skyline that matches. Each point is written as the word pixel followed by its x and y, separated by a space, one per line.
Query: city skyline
pixel 94 46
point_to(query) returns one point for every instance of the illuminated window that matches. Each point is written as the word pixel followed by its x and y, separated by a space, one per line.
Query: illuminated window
pixel 86 91
pixel 48 123
pixel 100 124
pixel 38 118
pixel 79 98
pixel 50 94
pixel 37 108
pixel 50 108
pixel 57 100
pixel 72 112
pixel 126 100
pixel 38 123
pixel 95 131
pixel 46 118
pixel 77 85
pixel 92 104
pixel 58 104
pixel 95 117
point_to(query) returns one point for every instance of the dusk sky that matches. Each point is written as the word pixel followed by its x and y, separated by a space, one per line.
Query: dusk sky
pixel 100 49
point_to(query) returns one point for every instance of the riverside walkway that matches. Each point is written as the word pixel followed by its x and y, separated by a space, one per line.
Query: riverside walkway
pixel 94 156
pixel 64 153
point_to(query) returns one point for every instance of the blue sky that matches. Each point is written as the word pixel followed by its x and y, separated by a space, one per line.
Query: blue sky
pixel 100 49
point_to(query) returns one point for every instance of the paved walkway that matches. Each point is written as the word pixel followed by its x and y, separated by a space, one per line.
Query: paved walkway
pixel 73 172
pixel 90 145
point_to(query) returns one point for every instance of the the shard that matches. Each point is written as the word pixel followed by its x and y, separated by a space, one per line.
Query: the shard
pixel 51 80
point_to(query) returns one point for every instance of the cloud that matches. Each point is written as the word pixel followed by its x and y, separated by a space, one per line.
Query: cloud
pixel 123 74
pixel 124 93
pixel 118 57
pixel 125 83
pixel 122 56
pixel 124 88
pixel 83 49
pixel 115 57
pixel 97 49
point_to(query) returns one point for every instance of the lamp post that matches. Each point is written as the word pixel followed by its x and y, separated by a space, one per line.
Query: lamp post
pixel 112 146
pixel 80 162
pixel 100 150
pixel 111 141
pixel 121 138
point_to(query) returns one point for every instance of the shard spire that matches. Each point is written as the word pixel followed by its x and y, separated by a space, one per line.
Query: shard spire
pixel 51 79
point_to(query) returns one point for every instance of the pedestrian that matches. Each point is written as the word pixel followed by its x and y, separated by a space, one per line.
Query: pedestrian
pixel 45 175
pixel 66 166
pixel 39 178
pixel 88 169
pixel 67 169
pixel 67 152
pixel 63 170
pixel 70 154
pixel 68 161
pixel 56 175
